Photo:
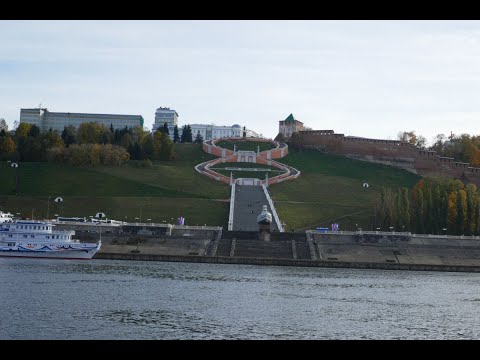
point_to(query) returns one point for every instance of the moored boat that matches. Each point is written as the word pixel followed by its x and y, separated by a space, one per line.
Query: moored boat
pixel 25 238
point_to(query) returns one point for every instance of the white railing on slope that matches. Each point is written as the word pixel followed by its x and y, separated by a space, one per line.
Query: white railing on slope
pixel 274 212
pixel 232 204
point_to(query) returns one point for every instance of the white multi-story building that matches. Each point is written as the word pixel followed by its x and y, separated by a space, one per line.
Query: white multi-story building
pixel 47 120
pixel 215 132
pixel 165 115
pixel 207 131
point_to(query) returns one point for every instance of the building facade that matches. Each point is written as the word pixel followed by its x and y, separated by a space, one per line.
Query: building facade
pixel 288 126
pixel 165 115
pixel 209 132
pixel 47 120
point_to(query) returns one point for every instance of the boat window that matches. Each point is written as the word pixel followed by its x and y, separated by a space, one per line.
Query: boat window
pixel 32 236
pixel 48 237
pixel 24 236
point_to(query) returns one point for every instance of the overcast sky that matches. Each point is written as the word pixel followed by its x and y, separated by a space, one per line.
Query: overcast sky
pixel 361 78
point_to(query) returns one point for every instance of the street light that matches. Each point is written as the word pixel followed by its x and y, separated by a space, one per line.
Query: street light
pixel 15 166
pixel 58 199
pixel 48 207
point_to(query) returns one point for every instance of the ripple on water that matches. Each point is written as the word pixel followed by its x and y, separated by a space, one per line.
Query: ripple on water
pixel 104 299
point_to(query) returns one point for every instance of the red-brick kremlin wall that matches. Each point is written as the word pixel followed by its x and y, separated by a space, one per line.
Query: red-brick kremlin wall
pixel 393 152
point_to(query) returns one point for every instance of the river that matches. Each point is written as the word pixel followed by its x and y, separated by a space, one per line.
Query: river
pixel 105 299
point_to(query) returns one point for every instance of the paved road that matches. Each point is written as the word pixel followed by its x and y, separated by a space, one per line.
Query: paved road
pixel 249 199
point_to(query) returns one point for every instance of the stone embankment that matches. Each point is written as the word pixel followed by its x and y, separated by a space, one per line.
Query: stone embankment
pixel 362 250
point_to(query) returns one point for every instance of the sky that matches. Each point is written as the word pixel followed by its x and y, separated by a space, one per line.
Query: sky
pixel 360 78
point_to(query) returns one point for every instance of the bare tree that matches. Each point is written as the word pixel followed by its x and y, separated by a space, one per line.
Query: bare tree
pixel 3 125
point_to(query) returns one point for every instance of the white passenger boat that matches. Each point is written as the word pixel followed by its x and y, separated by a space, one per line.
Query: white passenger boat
pixel 24 238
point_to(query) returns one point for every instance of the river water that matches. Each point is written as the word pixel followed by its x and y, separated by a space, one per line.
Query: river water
pixel 105 299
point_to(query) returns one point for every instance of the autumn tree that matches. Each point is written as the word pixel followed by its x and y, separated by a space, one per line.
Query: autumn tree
pixel 412 138
pixel 462 215
pixel 452 212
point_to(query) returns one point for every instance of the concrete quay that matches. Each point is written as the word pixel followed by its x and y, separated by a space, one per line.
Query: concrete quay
pixel 360 250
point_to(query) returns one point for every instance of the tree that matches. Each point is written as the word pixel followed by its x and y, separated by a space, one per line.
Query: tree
pixel 23 130
pixel 3 125
pixel 89 133
pixel 49 140
pixel 477 217
pixel 165 129
pixel 176 137
pixel 405 209
pixel 148 147
pixel 386 208
pixel 429 211
pixel 138 133
pixel 198 138
pixel 452 212
pixel 419 212
pixel 126 140
pixel 412 138
pixel 461 211
pixel 34 131
pixel 7 147
pixel 157 143
pixel 68 135
pixel 166 148
pixel 186 134
pixel 189 137
pixel 471 207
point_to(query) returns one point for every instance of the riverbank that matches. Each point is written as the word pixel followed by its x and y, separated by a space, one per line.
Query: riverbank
pixel 354 250
pixel 285 262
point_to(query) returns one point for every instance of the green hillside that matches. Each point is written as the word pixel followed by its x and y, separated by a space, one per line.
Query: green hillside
pixel 246 145
pixel 329 188
pixel 166 190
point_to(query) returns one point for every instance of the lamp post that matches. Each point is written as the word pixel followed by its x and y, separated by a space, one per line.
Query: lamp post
pixel 58 199
pixel 15 166
pixel 48 207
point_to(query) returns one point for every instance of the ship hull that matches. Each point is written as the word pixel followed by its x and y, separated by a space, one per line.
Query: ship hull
pixel 67 254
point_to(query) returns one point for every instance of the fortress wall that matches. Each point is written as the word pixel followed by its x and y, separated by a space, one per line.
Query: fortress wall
pixel 391 152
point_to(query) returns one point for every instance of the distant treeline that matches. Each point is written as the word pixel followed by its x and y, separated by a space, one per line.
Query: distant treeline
pixel 434 205
pixel 90 144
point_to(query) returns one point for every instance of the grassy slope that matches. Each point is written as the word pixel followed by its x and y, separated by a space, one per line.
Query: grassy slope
pixel 165 191
pixel 246 145
pixel 329 187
